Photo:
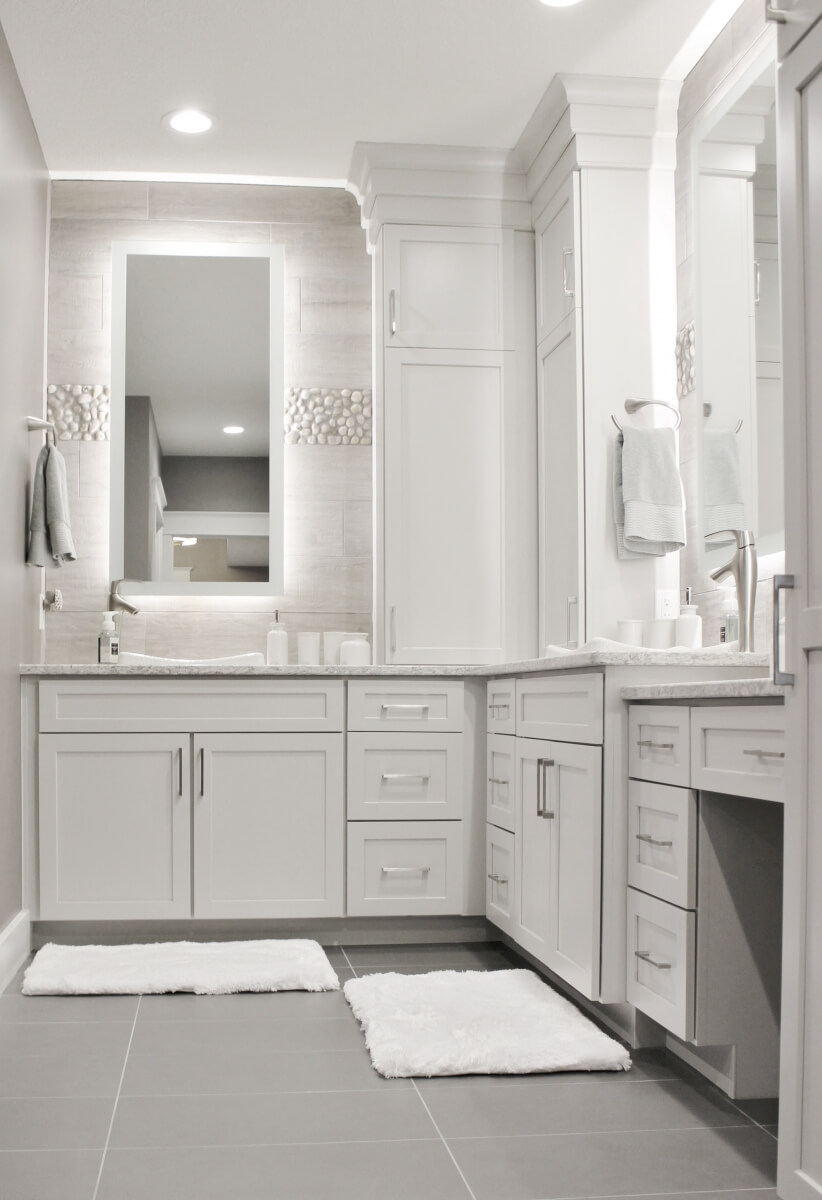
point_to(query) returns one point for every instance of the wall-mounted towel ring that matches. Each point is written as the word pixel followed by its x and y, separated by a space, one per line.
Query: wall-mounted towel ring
pixel 37 423
pixel 632 406
pixel 707 409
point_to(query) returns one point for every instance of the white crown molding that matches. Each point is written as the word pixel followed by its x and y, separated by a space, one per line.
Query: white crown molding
pixel 188 177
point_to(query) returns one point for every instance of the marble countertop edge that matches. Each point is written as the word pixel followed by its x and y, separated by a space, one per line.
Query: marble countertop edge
pixel 708 689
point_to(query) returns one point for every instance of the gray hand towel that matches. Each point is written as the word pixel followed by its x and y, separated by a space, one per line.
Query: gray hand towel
pixel 51 542
pixel 653 507
pixel 724 503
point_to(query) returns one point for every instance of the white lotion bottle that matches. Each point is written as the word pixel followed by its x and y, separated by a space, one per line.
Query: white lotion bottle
pixel 276 644
pixel 108 643
pixel 689 624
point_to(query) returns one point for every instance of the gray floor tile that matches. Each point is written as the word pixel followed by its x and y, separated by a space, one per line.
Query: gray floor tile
pixel 764 1112
pixel 245 1037
pixel 599 1164
pixel 367 1171
pixel 420 969
pixel 429 956
pixel 335 956
pixel 53 1038
pixel 646 1065
pixel 67 1074
pixel 222 1072
pixel 13 988
pixel 51 1175
pixel 247 1006
pixel 28 1009
pixel 270 1120
pixel 487 1111
pixel 38 1124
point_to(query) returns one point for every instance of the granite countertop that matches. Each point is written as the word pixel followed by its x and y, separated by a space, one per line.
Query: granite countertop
pixel 720 689
pixel 611 655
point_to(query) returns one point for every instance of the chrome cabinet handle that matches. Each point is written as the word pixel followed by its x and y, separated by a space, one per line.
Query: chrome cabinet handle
pixel 392 312
pixel 571 602
pixel 417 707
pixel 652 841
pixel 780 583
pixel 394 775
pixel 500 704
pixel 757 282
pixel 498 878
pixel 542 788
pixel 405 870
pixel 500 782
pixel 180 776
pixel 645 955
pixel 566 254
pixel 656 745
pixel 393 627
pixel 202 771
pixel 766 753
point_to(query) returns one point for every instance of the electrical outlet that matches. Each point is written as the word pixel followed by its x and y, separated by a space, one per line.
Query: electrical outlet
pixel 666 603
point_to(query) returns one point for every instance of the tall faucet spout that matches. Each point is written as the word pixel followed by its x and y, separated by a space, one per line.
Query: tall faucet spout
pixel 115 600
pixel 743 567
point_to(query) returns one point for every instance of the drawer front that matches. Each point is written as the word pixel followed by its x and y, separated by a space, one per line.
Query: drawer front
pixel 564 708
pixel 405 705
pixel 501 755
pixel 658 747
pixel 399 868
pixel 502 701
pixel 190 705
pixel 404 777
pixel 739 751
pixel 662 841
pixel 662 962
pixel 499 877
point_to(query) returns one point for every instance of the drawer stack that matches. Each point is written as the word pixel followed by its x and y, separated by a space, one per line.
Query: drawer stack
pixel 501 759
pixel 405 797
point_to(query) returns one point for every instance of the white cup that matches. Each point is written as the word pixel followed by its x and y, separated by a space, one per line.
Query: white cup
pixel 660 633
pixel 630 632
pixel 332 641
pixel 355 651
pixel 308 648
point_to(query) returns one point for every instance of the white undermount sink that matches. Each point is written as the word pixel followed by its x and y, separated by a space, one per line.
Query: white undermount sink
pixel 129 658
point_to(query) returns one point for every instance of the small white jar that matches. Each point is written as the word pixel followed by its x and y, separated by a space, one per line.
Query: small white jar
pixel 355 651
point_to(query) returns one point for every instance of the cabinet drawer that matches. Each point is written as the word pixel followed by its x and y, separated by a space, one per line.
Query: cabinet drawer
pixel 662 962
pixel 564 708
pixel 658 744
pixel 662 841
pixel 190 705
pixel 405 705
pixel 499 877
pixel 501 757
pixel 739 750
pixel 396 868
pixel 404 777
pixel 502 706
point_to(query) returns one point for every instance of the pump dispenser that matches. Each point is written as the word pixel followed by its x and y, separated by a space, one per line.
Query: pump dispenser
pixel 108 643
pixel 276 644
pixel 689 623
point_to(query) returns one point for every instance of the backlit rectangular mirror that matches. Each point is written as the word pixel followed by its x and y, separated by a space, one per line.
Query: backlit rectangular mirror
pixel 197 418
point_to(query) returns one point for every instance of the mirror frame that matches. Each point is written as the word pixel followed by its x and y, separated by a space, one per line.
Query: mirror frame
pixel 120 252
pixel 737 84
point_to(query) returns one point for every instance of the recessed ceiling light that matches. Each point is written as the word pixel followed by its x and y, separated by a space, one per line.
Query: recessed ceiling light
pixel 233 429
pixel 184 541
pixel 559 3
pixel 189 120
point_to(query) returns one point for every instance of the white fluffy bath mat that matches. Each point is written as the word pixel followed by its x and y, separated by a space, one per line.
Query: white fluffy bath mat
pixel 476 1023
pixel 208 968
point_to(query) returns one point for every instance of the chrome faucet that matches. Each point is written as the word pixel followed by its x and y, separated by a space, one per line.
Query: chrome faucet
pixel 115 600
pixel 743 568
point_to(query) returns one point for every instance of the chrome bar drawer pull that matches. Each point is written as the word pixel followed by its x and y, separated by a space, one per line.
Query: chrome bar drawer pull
pixel 652 841
pixel 499 782
pixel 766 753
pixel 498 878
pixel 391 776
pixel 542 792
pixel 405 870
pixel 566 254
pixel 392 312
pixel 420 708
pixel 656 745
pixel 645 955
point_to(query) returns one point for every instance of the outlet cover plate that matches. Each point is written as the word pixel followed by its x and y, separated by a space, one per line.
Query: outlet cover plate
pixel 666 603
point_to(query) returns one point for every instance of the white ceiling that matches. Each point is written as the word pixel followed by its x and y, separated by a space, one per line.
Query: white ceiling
pixel 293 84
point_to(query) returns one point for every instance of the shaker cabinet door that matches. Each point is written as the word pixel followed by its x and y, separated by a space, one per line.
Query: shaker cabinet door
pixel 557 233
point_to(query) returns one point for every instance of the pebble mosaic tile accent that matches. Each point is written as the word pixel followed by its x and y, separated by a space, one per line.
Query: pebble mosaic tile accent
pixel 80 411
pixel 328 416
pixel 686 360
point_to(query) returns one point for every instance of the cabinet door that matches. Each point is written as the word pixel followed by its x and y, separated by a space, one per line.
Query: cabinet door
pixel 268 825
pixel 561 488
pixel 446 287
pixel 444 559
pixel 499 878
pixel 532 910
pixel 115 823
pixel 558 274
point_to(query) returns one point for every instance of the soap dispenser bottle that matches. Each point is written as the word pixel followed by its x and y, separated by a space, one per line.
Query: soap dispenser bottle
pixel 108 643
pixel 689 624
pixel 276 644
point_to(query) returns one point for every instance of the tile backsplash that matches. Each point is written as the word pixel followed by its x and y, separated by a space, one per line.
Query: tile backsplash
pixel 328 487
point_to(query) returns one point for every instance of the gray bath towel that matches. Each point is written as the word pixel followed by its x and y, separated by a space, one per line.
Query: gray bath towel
pixel 724 502
pixel 51 542
pixel 649 507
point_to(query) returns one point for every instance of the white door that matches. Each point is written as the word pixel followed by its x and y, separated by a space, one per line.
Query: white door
pixel 557 237
pixel 561 488
pixel 268 825
pixel 115 823
pixel 446 287
pixel 444 557
pixel 800 238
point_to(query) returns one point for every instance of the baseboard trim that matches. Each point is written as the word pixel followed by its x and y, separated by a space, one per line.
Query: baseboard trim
pixel 15 946
pixel 724 1081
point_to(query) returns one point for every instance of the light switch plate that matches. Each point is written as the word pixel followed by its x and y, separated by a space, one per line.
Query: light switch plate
pixel 666 603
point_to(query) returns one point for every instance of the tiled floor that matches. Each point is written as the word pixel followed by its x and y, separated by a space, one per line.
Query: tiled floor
pixel 260 1097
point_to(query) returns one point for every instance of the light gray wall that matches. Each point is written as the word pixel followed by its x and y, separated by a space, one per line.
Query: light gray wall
pixel 204 483
pixel 23 234
pixel 143 461
pixel 744 31
pixel 328 489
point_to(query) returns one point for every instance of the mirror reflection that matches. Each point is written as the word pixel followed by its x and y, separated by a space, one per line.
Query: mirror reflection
pixel 738 348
